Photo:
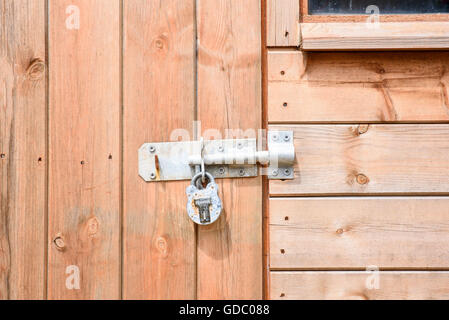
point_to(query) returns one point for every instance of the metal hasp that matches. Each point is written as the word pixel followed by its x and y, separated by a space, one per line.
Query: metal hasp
pixel 231 158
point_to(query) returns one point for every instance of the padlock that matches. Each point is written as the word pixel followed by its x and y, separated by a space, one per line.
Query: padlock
pixel 203 203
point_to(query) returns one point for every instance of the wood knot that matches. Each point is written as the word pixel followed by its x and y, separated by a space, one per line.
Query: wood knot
pixel 92 226
pixel 362 179
pixel 162 246
pixel 340 231
pixel 59 242
pixel 363 128
pixel 160 43
pixel 35 70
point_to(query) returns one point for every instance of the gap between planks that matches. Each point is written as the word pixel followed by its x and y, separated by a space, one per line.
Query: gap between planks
pixel 361 270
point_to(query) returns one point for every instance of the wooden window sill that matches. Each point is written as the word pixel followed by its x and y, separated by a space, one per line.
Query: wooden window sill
pixel 384 36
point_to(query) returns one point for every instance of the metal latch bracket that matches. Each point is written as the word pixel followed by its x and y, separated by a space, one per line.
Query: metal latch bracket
pixel 230 158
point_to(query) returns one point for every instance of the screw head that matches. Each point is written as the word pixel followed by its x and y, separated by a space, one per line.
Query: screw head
pixel 275 172
pixel 239 145
pixel 152 149
pixel 153 176
pixel 220 148
pixel 221 170
pixel 286 137
pixel 287 172
pixel 241 172
pixel 274 137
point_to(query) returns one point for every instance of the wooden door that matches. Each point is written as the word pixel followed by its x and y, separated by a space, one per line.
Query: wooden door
pixel 366 215
pixel 84 83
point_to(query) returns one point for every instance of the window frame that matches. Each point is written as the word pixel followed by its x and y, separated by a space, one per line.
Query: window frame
pixel 351 32
pixel 412 17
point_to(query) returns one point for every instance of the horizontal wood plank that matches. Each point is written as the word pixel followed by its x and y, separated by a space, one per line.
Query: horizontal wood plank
pixel 359 285
pixel 356 86
pixel 354 233
pixel 368 159
pixel 373 36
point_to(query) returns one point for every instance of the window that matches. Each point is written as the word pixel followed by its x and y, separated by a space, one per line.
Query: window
pixel 330 7
pixel 373 24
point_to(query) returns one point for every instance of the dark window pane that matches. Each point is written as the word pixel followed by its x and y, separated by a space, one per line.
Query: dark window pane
pixel 385 6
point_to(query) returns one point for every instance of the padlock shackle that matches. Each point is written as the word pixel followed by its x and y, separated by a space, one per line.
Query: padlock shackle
pixel 197 178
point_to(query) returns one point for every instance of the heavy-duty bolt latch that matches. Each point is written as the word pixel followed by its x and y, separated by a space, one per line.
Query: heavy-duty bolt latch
pixel 231 158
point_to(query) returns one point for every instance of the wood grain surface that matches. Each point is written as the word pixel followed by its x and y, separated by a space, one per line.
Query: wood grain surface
pixel 229 97
pixel 340 285
pixel 355 86
pixel 22 149
pixel 368 159
pixel 283 23
pixel 354 233
pixel 375 36
pixel 159 257
pixel 84 136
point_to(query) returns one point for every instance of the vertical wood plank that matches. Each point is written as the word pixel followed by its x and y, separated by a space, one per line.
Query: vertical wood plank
pixel 282 23
pixel 84 125
pixel 265 187
pixel 159 90
pixel 229 96
pixel 22 149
